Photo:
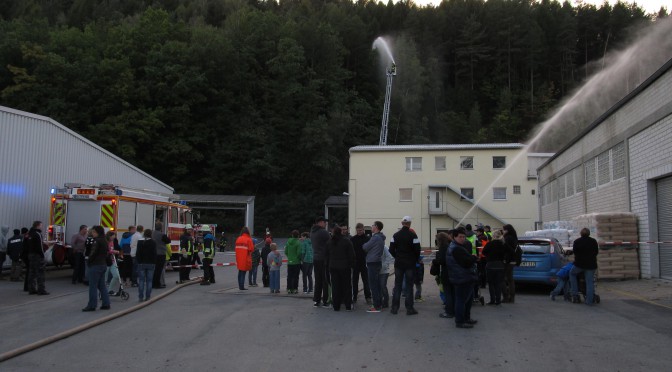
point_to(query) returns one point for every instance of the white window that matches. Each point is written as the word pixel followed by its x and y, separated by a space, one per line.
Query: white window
pixel 466 162
pixel 467 193
pixel 405 194
pixel 591 179
pixel 516 189
pixel 618 160
pixel 570 183
pixel 499 193
pixel 603 168
pixel 413 164
pixel 440 163
pixel 578 179
pixel 498 162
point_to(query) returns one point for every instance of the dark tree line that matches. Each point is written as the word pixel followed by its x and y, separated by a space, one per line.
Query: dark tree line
pixel 265 98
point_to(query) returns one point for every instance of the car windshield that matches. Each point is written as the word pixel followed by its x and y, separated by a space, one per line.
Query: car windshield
pixel 535 247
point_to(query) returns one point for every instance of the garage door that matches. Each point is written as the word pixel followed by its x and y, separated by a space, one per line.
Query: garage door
pixel 664 199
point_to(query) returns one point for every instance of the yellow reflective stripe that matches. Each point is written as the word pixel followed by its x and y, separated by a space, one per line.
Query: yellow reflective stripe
pixel 107 215
pixel 59 213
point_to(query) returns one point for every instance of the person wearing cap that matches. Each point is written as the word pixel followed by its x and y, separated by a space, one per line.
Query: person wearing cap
pixel 319 238
pixel 405 248
pixel 186 251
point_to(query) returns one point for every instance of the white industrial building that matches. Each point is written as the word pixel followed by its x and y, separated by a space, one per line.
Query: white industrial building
pixel 442 186
pixel 38 154
pixel 621 163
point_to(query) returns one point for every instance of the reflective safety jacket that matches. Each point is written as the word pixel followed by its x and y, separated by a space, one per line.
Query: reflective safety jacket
pixel 186 245
pixel 208 246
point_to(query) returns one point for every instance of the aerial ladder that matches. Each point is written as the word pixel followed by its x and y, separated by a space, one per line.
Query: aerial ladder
pixel 391 72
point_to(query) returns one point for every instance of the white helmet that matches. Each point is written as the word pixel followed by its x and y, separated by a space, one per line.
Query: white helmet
pixel 188 227
pixel 205 228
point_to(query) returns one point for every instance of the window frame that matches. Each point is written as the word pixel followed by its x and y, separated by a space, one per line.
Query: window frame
pixel 404 189
pixel 436 164
pixel 463 159
pixel 494 193
pixel 410 161
pixel 493 162
pixel 462 192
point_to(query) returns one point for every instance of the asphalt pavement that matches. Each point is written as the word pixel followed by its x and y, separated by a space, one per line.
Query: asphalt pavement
pixel 218 327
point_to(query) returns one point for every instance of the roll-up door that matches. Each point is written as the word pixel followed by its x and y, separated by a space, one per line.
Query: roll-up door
pixel 146 215
pixel 664 201
pixel 81 212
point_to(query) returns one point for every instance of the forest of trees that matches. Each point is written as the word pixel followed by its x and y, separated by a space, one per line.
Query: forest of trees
pixel 265 98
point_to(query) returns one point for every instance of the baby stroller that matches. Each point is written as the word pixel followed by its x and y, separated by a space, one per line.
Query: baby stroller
pixel 581 280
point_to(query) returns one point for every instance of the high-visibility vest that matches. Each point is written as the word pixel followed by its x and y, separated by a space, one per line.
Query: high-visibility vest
pixel 189 250
pixel 489 235
pixel 472 240
pixel 209 251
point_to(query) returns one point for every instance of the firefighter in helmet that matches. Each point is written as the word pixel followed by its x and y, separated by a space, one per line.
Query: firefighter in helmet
pixel 186 253
pixel 208 255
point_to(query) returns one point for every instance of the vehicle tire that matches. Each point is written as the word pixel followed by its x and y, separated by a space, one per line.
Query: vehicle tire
pixel 124 295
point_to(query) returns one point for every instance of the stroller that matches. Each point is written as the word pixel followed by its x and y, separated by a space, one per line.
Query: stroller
pixel 581 280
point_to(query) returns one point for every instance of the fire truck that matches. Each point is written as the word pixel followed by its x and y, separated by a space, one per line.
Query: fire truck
pixel 115 208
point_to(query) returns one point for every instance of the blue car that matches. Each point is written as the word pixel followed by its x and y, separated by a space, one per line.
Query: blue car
pixel 542 258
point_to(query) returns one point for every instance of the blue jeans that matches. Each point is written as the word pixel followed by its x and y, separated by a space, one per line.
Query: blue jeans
pixel 96 277
pixel 241 279
pixel 274 280
pixel 590 283
pixel 464 294
pixel 252 279
pixel 385 295
pixel 399 275
pixel 560 286
pixel 145 278
pixel 373 269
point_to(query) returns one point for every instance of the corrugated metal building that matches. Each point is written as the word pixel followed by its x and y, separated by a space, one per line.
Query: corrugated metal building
pixel 621 163
pixel 37 154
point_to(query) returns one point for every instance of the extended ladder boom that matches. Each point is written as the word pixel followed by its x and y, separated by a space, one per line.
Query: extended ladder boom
pixel 391 72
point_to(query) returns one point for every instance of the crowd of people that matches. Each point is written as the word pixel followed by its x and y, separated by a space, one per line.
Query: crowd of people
pixel 330 264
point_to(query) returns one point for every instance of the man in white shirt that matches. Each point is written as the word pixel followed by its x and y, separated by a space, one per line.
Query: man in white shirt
pixel 134 247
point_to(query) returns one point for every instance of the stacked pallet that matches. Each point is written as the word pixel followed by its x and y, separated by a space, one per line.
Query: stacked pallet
pixel 616 233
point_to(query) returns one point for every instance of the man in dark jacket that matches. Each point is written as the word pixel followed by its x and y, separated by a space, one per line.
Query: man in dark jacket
pixel 319 238
pixel 36 258
pixel 265 275
pixel 405 248
pixel 585 261
pixel 460 263
pixel 14 245
pixel 360 264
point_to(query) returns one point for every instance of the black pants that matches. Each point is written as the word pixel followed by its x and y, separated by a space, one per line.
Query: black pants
pixel 321 293
pixel 185 268
pixel 127 269
pixel 293 277
pixel 158 269
pixel 341 288
pixel 208 271
pixel 265 278
pixel 403 275
pixel 360 269
pixel 78 267
pixel 495 284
